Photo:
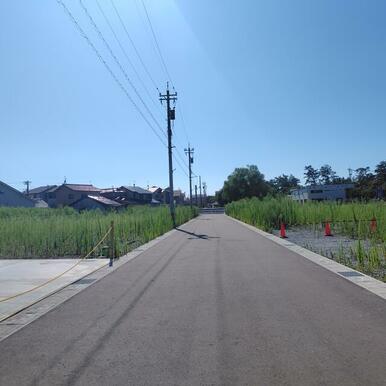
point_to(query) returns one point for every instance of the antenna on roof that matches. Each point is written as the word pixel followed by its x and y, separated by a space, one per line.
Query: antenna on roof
pixel 27 183
pixel 65 180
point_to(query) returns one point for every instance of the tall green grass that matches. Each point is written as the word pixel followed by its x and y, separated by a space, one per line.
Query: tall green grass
pixel 40 232
pixel 352 219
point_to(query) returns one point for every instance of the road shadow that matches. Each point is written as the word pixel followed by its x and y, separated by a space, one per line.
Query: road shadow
pixel 196 236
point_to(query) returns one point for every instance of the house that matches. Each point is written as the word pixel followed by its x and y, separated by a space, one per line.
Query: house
pixel 67 194
pixel 178 195
pixel 96 202
pixel 336 192
pixel 41 192
pixel 157 194
pixel 128 195
pixel 9 196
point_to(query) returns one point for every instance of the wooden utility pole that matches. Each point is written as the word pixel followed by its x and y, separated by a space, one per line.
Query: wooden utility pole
pixel 168 97
pixel 189 152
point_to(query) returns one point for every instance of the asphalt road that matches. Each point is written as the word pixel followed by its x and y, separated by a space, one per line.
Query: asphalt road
pixel 213 304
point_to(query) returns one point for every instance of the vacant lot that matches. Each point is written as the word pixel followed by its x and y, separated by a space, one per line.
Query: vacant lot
pixel 38 232
pixel 359 241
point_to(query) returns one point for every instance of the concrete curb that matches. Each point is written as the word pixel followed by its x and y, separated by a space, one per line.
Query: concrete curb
pixel 360 279
pixel 38 308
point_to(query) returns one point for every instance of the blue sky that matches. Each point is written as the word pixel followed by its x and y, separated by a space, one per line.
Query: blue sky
pixel 279 84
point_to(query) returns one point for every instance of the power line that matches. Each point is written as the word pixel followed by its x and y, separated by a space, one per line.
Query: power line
pixel 157 45
pixel 124 51
pixel 107 67
pixel 163 63
pixel 134 46
pixel 100 34
pixel 182 168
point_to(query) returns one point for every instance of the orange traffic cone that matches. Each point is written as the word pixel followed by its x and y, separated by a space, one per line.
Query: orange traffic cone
pixel 373 225
pixel 282 231
pixel 327 229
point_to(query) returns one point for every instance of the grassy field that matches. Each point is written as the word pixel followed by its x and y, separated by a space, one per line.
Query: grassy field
pixel 45 233
pixel 349 219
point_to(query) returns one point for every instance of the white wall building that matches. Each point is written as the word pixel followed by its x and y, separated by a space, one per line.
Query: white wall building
pixel 321 193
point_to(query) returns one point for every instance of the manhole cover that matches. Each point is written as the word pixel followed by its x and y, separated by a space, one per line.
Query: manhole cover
pixel 85 281
pixel 350 273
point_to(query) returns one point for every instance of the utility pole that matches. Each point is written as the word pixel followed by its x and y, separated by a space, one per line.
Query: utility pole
pixel 199 179
pixel 171 115
pixel 189 152
pixel 195 190
pixel 204 189
pixel 27 183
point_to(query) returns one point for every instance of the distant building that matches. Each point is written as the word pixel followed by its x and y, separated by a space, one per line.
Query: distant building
pixel 157 194
pixel 178 195
pixel 128 195
pixel 41 192
pixel 67 194
pixel 96 202
pixel 9 196
pixel 321 193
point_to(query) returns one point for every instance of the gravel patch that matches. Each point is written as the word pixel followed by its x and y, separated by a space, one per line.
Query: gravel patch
pixel 338 247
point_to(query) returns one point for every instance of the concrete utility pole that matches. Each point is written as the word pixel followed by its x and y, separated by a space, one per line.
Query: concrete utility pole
pixel 27 183
pixel 170 117
pixel 204 189
pixel 199 179
pixel 189 152
pixel 195 190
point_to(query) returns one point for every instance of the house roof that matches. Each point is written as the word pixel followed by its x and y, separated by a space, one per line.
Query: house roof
pixel 104 200
pixel 80 187
pixel 41 189
pixel 15 191
pixel 154 189
pixel 136 189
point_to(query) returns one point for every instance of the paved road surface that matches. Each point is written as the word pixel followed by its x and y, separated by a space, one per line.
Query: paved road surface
pixel 213 304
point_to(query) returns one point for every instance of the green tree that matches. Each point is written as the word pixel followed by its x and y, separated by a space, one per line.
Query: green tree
pixel 283 184
pixel 244 182
pixel 364 184
pixel 311 175
pixel 380 175
pixel 326 175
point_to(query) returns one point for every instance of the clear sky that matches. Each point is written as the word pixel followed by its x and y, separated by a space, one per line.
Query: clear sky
pixel 279 84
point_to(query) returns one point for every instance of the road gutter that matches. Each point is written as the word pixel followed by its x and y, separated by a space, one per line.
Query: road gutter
pixel 360 279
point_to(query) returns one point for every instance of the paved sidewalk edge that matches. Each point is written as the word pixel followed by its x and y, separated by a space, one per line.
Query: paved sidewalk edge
pixel 360 279
pixel 41 306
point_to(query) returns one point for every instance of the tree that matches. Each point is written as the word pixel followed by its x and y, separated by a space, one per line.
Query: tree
pixel 326 175
pixel 380 175
pixel 364 184
pixel 283 184
pixel 311 175
pixel 244 182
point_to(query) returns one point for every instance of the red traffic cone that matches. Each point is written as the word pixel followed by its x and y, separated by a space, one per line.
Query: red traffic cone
pixel 327 229
pixel 373 225
pixel 282 231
